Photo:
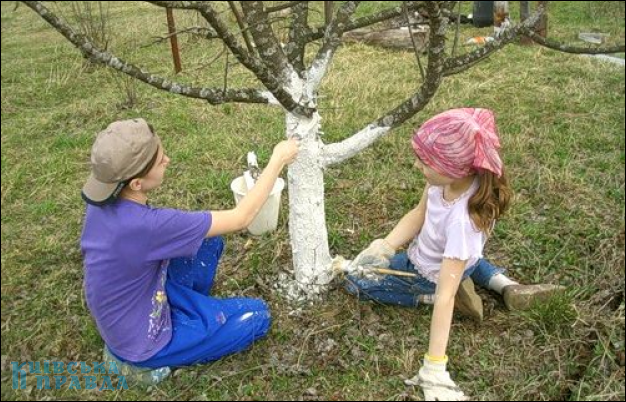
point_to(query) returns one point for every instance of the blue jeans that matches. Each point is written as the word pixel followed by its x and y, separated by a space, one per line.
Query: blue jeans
pixel 206 328
pixel 405 291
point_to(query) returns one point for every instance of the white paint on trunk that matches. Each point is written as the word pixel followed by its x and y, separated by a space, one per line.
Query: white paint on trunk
pixel 307 215
pixel 296 88
pixel 346 149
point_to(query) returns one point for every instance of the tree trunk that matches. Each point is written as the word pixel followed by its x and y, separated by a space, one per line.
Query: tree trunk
pixel 307 215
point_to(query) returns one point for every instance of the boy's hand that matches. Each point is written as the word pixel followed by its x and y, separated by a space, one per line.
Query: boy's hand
pixel 286 151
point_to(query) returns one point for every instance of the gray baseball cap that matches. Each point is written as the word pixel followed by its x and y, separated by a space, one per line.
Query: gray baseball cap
pixel 122 151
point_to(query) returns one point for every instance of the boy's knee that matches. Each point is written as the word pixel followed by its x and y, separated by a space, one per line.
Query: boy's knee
pixel 258 320
pixel 261 307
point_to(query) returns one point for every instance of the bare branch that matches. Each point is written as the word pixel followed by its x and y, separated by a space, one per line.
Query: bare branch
pixel 555 45
pixel 296 44
pixel 181 5
pixel 206 33
pixel 369 20
pixel 464 62
pixel 457 31
pixel 252 63
pixel 265 39
pixel 415 49
pixel 226 68
pixel 242 26
pixel 339 152
pixel 212 60
pixel 332 40
pixel 281 7
pixel 212 95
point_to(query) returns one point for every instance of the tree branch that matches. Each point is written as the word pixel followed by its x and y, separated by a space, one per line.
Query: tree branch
pixel 206 33
pixel 457 31
pixel 369 20
pixel 415 49
pixel 240 22
pixel 464 62
pixel 555 45
pixel 332 40
pixel 212 95
pixel 339 152
pixel 296 44
pixel 281 7
pixel 265 40
pixel 252 63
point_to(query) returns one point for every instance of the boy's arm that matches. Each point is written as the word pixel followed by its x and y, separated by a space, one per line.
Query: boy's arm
pixel 241 216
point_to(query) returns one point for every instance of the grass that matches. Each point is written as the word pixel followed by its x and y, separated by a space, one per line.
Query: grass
pixel 561 118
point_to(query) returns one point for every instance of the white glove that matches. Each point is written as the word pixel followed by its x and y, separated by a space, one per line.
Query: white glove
pixel 376 255
pixel 436 383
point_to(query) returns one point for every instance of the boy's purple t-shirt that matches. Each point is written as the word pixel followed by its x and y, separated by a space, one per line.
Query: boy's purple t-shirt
pixel 127 247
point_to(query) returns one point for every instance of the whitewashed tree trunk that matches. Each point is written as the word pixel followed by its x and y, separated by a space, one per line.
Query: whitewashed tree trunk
pixel 307 215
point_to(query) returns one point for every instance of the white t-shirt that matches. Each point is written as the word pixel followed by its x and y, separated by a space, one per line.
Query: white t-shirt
pixel 448 232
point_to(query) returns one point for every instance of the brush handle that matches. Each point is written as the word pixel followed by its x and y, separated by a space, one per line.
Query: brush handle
pixel 386 271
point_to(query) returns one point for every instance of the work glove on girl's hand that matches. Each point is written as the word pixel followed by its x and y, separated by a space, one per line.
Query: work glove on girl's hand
pixel 376 255
pixel 436 383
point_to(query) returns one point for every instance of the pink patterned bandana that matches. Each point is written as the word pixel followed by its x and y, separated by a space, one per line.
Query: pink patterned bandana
pixel 459 142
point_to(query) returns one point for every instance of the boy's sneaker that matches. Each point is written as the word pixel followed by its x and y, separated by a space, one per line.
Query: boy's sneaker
pixel 136 374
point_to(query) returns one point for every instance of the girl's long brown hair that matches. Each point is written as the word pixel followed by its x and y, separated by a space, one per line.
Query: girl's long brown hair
pixel 490 201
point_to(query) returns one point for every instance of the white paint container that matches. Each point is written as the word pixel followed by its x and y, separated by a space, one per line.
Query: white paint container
pixel 267 219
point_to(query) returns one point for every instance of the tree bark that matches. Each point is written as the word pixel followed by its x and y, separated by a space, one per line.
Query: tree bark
pixel 307 215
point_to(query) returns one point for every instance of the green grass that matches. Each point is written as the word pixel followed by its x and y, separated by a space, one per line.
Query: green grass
pixel 561 119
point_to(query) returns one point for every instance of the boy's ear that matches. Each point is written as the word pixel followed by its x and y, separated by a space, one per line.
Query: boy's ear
pixel 135 184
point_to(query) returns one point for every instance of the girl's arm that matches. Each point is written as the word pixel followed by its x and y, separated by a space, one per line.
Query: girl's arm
pixel 410 225
pixel 434 377
pixel 449 280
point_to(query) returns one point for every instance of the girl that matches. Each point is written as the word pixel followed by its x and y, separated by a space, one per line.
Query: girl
pixel 149 271
pixel 466 192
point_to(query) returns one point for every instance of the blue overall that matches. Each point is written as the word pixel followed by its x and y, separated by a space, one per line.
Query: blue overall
pixel 196 338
